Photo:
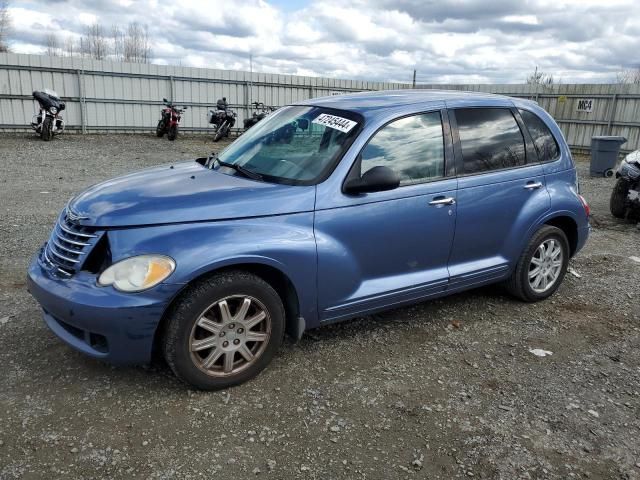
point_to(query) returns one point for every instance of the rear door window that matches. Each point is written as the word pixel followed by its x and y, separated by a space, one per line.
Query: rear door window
pixel 490 139
pixel 543 140
pixel 412 146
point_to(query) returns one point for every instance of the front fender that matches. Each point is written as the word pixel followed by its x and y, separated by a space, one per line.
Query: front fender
pixel 284 242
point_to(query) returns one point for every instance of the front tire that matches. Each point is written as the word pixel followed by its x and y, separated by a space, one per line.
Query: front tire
pixel 541 267
pixel 173 133
pixel 617 203
pixel 47 129
pixel 224 331
pixel 221 131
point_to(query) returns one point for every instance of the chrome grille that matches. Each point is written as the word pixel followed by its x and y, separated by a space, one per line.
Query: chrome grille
pixel 69 245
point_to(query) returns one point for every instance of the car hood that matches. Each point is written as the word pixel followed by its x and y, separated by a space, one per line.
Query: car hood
pixel 185 192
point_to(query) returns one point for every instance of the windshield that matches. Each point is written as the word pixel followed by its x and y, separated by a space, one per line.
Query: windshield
pixel 50 92
pixel 297 145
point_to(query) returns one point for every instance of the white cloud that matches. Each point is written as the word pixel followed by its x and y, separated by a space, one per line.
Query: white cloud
pixel 526 19
pixel 87 18
pixel 445 40
pixel 22 19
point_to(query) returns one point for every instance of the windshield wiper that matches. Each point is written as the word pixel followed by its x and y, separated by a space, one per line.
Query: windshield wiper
pixel 239 168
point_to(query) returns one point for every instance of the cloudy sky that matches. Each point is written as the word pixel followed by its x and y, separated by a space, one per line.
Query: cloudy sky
pixel 460 41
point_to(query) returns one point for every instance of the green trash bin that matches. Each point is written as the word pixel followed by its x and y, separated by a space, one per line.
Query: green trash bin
pixel 604 154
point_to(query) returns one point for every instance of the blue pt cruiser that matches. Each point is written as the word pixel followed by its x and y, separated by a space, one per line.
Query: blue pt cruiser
pixel 326 210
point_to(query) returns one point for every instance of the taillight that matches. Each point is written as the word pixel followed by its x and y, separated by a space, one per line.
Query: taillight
pixel 585 205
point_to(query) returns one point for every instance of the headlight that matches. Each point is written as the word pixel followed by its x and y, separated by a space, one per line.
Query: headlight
pixel 135 274
pixel 631 171
pixel 53 110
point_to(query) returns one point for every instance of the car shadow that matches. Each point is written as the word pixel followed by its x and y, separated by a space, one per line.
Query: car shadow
pixel 158 378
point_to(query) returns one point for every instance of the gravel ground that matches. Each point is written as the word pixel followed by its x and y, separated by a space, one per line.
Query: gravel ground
pixel 445 389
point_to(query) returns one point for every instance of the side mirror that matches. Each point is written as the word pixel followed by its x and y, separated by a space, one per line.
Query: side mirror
pixel 164 100
pixel 378 179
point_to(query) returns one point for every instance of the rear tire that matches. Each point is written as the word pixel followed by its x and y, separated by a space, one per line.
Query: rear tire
pixel 551 270
pixel 173 133
pixel 160 129
pixel 212 350
pixel 617 203
pixel 46 134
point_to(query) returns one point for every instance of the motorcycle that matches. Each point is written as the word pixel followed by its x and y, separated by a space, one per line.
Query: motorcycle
pixel 222 121
pixel 625 198
pixel 260 112
pixel 48 121
pixel 169 120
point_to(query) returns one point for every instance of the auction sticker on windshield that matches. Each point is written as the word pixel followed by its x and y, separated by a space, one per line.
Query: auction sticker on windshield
pixel 333 121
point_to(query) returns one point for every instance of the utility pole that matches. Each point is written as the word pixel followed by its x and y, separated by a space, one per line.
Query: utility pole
pixel 250 77
pixel 414 78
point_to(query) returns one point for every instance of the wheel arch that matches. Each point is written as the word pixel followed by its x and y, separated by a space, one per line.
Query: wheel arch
pixel 570 228
pixel 275 277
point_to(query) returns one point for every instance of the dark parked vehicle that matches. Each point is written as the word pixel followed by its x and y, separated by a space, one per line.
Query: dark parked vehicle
pixel 260 112
pixel 625 198
pixel 328 209
pixel 223 121
pixel 48 121
pixel 169 120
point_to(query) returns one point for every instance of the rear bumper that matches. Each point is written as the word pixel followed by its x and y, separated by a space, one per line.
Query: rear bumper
pixel 583 235
pixel 100 321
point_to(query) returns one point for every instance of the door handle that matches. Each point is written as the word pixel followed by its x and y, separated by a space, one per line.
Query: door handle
pixel 533 185
pixel 443 201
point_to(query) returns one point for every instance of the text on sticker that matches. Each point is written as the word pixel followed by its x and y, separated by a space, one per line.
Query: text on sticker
pixel 335 122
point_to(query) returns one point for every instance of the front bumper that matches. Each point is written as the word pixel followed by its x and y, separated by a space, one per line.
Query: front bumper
pixel 100 321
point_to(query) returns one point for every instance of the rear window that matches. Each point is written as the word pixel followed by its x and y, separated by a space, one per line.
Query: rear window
pixel 546 145
pixel 490 139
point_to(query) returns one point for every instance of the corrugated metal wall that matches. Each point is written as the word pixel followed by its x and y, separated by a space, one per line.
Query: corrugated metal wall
pixel 110 96
pixel 113 96
pixel 615 108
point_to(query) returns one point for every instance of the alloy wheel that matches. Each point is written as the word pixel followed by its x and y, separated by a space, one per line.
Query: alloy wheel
pixel 230 335
pixel 545 266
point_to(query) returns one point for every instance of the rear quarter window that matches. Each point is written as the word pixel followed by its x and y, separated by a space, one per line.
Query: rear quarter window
pixel 490 139
pixel 543 140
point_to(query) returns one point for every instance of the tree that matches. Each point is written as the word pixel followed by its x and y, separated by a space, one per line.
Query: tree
pixel 70 46
pixel 137 47
pixel 118 43
pixel 83 50
pixel 53 45
pixel 631 75
pixel 5 25
pixel 94 44
pixel 129 45
pixel 540 78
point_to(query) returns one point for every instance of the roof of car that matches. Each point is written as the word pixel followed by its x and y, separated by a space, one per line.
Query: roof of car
pixel 365 101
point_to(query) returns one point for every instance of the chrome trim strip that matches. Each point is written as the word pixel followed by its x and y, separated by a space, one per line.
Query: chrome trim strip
pixel 75 252
pixel 67 259
pixel 77 234
pixel 46 257
pixel 65 239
